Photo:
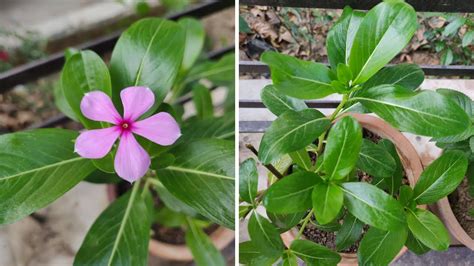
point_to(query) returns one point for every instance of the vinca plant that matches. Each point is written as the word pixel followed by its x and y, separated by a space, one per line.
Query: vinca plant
pixel 137 133
pixel 325 173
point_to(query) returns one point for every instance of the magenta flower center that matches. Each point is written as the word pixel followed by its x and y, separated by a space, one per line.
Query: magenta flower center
pixel 125 126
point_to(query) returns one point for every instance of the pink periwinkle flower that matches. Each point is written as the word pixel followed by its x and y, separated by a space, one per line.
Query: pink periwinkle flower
pixel 131 161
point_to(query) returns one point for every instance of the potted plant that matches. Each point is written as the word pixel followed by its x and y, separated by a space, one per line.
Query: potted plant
pixel 457 210
pixel 350 178
pixel 171 162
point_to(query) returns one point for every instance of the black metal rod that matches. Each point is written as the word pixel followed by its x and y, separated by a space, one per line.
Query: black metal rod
pixel 310 104
pixel 432 70
pixel 53 63
pixel 464 6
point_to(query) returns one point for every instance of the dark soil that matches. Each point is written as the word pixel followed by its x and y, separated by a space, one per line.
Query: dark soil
pixel 170 235
pixel 461 203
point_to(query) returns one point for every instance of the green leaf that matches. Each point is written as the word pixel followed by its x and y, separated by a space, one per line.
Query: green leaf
pixel 289 259
pixel 375 160
pixel 278 103
pixel 201 246
pixel 220 128
pixel 314 254
pixel 290 132
pixel 425 113
pixel 393 182
pixel 453 26
pixel 301 158
pixel 298 78
pixel 342 149
pixel 291 194
pixel 341 36
pixel 169 218
pixel 202 176
pixel 244 210
pixel 61 102
pixel 37 167
pixel 149 53
pixel 382 34
pixel 427 228
pixel 441 177
pixel 171 201
pixel 415 245
pixel 468 38
pixel 247 252
pixel 349 233
pixel 203 101
pixel 285 222
pixel 459 98
pixel 248 180
pixel 195 36
pixel 409 76
pixel 99 177
pixel 327 202
pixel 447 57
pixel 265 236
pixel 381 247
pixel 244 26
pixel 120 235
pixel 221 72
pixel 344 74
pixel 84 72
pixel 406 195
pixel 373 206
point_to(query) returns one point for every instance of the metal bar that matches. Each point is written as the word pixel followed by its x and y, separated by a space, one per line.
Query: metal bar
pixel 310 104
pixel 464 6
pixel 254 126
pixel 60 119
pixel 432 70
pixel 53 63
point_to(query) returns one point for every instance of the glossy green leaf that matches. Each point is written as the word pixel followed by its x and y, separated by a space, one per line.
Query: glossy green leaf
pixel 344 74
pixel 409 76
pixel 314 254
pixel 447 57
pixel 264 236
pixel 99 177
pixel 171 201
pixel 375 160
pixel 468 38
pixel 459 98
pixel 195 36
pixel 220 72
pixel 244 210
pixel 349 233
pixel 158 48
pixel 278 103
pixel 248 180
pixel 285 222
pixel 302 159
pixel 202 176
pixel 289 259
pixel 382 34
pixel 291 194
pixel 37 167
pixel 247 252
pixel 292 131
pixel 453 26
pixel 203 101
pixel 298 78
pixel 373 206
pixel 394 181
pixel 425 113
pixel 327 202
pixel 61 102
pixel 427 228
pixel 342 149
pixel 84 72
pixel 441 177
pixel 341 36
pixel 169 218
pixel 203 250
pixel 120 235
pixel 380 247
pixel 406 195
pixel 415 245
pixel 220 128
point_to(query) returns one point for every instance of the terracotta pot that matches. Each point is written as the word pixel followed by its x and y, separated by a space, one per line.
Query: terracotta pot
pixel 410 160
pixel 220 237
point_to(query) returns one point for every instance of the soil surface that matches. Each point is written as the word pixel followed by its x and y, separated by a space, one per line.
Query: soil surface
pixel 461 203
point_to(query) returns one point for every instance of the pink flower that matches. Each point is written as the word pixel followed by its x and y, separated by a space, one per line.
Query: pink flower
pixel 4 56
pixel 131 160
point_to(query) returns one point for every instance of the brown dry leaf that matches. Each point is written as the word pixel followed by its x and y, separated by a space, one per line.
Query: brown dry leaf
pixel 285 35
pixel 272 17
pixel 265 30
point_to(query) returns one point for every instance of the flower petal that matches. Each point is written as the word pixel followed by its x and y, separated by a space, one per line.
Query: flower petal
pixel 136 101
pixel 96 143
pixel 98 106
pixel 131 161
pixel 161 128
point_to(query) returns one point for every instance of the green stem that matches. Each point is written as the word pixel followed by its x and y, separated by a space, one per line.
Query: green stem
pixel 305 222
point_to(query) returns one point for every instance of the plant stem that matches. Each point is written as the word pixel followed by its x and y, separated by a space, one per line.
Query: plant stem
pixel 270 167
pixel 305 222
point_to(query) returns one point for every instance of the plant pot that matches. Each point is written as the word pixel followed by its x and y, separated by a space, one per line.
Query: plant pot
pixel 408 156
pixel 221 237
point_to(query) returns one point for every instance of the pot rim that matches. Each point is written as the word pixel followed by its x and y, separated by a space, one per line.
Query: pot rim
pixel 410 160
pixel 221 238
